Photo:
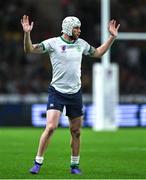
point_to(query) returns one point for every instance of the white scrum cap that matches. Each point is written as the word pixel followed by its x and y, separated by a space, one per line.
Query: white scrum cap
pixel 69 23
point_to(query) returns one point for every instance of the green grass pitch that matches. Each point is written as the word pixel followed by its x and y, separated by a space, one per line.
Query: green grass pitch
pixel 104 155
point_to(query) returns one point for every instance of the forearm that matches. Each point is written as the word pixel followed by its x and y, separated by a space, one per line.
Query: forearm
pixel 28 47
pixel 104 47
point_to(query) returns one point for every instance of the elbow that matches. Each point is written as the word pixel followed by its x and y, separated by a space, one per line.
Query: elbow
pixel 97 54
pixel 100 55
pixel 100 52
pixel 27 50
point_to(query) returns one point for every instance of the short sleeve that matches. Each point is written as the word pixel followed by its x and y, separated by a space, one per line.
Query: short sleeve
pixel 47 47
pixel 88 49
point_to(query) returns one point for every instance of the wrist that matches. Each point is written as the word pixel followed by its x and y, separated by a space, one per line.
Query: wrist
pixel 113 35
pixel 27 32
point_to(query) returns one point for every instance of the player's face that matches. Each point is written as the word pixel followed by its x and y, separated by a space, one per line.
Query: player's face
pixel 76 32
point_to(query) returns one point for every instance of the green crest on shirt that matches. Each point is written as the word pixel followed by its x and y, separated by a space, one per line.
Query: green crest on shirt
pixel 78 48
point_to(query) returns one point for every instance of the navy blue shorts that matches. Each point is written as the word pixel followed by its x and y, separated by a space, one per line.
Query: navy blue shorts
pixel 72 102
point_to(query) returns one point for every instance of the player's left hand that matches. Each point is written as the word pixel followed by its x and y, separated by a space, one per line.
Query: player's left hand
pixel 113 28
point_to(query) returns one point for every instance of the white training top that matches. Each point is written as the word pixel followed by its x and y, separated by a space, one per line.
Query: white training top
pixel 66 62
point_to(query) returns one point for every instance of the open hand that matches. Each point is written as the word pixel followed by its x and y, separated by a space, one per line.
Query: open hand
pixel 113 28
pixel 27 27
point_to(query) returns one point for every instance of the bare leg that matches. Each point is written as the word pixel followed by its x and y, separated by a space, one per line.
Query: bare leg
pixel 52 123
pixel 75 125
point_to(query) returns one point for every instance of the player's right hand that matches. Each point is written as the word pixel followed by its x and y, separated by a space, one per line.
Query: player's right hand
pixel 27 27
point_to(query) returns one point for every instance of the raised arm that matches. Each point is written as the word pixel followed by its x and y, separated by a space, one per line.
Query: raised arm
pixel 28 46
pixel 113 30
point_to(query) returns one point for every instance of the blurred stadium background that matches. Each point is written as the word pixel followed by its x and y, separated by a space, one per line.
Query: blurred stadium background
pixel 24 79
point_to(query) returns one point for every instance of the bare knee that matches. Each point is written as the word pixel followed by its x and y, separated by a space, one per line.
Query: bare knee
pixel 75 133
pixel 49 130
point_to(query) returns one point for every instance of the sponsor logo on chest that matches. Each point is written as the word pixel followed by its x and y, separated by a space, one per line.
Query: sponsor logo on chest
pixel 64 48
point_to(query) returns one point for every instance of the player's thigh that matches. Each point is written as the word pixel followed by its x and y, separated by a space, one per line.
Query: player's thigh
pixel 53 117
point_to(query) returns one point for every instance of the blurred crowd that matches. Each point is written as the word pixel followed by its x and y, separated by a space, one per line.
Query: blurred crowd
pixel 29 73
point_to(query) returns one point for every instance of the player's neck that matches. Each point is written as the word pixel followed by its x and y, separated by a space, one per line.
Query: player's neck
pixel 68 38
